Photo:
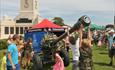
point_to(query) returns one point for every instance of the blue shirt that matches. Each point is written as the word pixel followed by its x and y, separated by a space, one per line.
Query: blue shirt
pixel 110 41
pixel 12 49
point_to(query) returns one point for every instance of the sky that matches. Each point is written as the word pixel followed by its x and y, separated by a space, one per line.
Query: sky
pixel 101 12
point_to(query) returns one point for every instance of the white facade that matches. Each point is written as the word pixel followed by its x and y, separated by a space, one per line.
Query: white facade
pixel 27 17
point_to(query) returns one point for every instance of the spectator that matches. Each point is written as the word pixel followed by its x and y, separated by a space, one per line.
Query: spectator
pixel 3 65
pixel 113 50
pixel 12 54
pixel 9 41
pixel 75 44
pixel 86 62
pixel 59 64
pixel 67 44
pixel 27 52
pixel 75 53
pixel 20 44
pixel 110 43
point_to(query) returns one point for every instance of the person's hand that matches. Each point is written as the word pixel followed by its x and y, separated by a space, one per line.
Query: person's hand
pixel 13 67
pixel 81 26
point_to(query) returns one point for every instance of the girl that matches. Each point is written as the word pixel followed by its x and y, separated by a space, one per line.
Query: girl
pixel 59 64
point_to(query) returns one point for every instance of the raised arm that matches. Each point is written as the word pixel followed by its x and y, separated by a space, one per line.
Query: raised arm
pixel 80 35
pixel 89 36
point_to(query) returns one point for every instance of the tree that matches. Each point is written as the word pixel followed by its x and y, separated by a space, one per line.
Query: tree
pixel 58 21
pixel 110 26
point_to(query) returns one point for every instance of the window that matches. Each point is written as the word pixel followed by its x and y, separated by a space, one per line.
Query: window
pixel 11 30
pixel 21 30
pixel 24 20
pixel 30 27
pixel 6 30
pixel 17 30
pixel 26 28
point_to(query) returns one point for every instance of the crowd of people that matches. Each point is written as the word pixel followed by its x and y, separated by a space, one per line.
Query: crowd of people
pixel 80 44
pixel 81 50
pixel 16 49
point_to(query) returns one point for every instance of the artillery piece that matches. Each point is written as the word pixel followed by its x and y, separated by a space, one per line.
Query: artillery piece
pixel 51 44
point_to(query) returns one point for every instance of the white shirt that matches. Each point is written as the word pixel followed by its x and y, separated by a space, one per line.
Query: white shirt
pixel 75 50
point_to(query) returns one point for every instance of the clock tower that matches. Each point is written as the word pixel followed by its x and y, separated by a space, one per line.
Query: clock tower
pixel 29 6
pixel 28 12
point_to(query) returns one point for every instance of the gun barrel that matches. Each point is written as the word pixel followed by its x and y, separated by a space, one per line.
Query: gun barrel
pixel 85 20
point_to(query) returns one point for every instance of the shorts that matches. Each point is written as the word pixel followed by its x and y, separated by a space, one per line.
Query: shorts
pixel 10 67
pixel 111 52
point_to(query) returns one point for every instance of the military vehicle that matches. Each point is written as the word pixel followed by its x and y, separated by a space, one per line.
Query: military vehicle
pixel 52 43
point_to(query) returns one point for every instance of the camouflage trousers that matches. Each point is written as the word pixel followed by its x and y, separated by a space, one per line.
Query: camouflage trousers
pixel 86 64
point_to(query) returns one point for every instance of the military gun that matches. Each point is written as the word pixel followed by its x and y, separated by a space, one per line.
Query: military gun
pixel 85 20
pixel 51 44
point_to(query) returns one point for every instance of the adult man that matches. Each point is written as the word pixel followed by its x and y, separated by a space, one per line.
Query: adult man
pixel 110 43
pixel 75 41
pixel 12 54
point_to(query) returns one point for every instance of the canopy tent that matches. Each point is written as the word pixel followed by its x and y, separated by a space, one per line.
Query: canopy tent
pixel 38 31
pixel 46 24
pixel 96 27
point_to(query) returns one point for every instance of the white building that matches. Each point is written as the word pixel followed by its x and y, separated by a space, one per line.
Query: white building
pixel 27 17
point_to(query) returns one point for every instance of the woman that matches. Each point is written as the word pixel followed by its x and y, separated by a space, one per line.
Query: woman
pixel 27 52
pixel 86 62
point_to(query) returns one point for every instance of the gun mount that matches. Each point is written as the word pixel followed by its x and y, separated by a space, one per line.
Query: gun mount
pixel 51 44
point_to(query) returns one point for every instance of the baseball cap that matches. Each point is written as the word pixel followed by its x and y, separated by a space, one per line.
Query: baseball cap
pixel 111 31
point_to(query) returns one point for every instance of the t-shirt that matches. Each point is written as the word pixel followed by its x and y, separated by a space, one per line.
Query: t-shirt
pixel 12 49
pixel 110 41
pixel 3 63
pixel 75 50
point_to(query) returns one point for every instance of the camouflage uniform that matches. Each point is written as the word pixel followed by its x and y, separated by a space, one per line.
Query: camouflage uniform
pixel 86 62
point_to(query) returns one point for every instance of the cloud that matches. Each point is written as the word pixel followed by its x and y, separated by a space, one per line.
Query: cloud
pixel 95 5
pixel 100 11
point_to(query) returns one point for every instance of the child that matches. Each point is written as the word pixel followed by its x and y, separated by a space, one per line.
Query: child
pixel 3 65
pixel 59 65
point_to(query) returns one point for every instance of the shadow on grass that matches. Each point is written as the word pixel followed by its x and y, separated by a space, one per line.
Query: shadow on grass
pixel 71 59
pixel 105 53
pixel 101 64
pixel 47 67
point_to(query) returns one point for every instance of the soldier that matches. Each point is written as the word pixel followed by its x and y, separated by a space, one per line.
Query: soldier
pixel 86 62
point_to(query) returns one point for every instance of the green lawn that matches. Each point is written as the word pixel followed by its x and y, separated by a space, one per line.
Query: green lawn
pixel 100 58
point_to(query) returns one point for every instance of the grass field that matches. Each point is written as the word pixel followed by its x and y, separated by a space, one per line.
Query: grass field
pixel 100 59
